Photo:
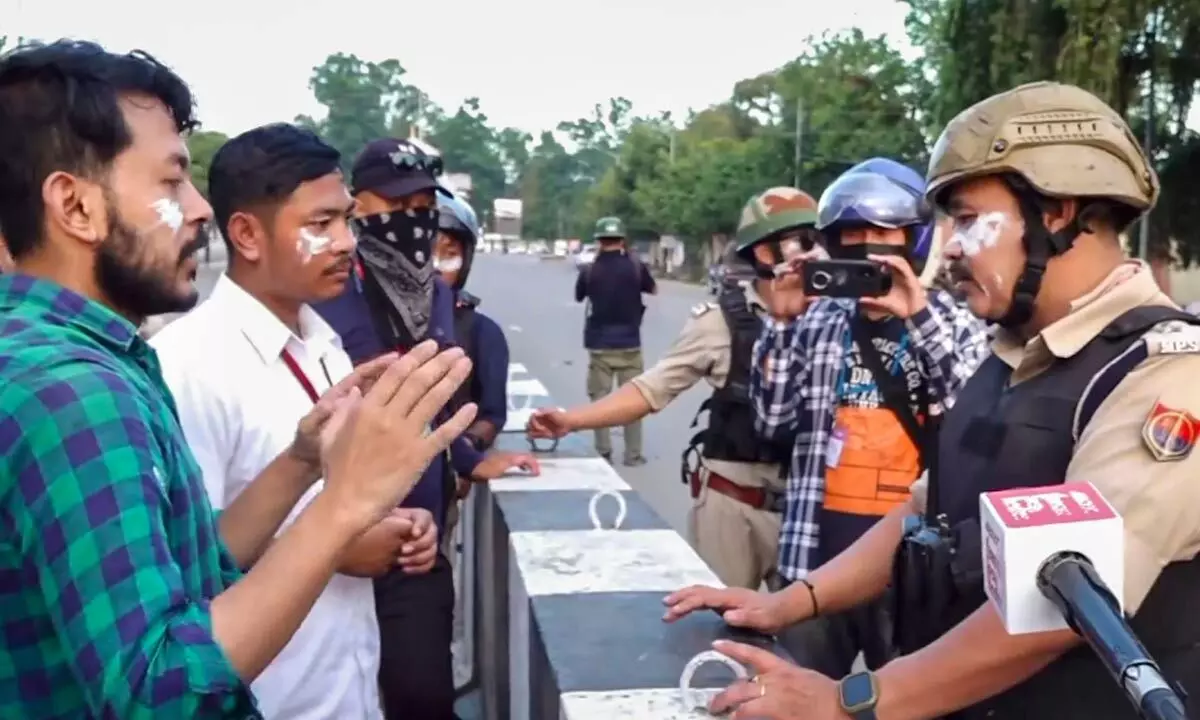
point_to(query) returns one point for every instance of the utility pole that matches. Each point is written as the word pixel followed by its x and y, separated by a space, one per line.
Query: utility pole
pixel 1152 45
pixel 799 142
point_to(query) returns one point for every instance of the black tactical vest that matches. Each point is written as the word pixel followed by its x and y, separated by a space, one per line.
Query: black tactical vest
pixel 730 433
pixel 998 437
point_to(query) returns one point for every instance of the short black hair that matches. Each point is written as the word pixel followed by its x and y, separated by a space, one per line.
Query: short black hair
pixel 259 170
pixel 60 111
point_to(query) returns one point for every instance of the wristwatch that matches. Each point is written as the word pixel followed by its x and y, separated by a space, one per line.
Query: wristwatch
pixel 859 693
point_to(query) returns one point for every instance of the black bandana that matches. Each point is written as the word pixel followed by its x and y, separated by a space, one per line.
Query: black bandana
pixel 397 256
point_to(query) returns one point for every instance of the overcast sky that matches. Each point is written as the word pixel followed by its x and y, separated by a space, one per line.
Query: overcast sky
pixel 532 63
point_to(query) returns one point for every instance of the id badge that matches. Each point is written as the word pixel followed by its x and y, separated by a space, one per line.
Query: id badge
pixel 837 442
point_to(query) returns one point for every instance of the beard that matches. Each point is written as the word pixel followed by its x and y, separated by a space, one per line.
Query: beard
pixel 133 283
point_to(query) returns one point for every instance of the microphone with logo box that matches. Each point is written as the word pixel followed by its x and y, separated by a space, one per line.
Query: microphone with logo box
pixel 1070 588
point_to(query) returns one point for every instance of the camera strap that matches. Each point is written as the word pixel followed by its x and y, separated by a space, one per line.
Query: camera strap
pixel 892 388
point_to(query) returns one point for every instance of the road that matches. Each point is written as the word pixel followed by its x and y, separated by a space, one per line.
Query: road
pixel 533 300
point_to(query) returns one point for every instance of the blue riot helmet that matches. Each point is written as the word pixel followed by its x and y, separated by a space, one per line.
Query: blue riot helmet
pixel 882 193
pixel 457 219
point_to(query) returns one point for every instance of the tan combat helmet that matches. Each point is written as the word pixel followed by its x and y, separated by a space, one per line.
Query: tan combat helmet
pixel 772 211
pixel 1063 140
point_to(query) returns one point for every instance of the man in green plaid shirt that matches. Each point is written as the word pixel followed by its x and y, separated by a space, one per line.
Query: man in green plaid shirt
pixel 120 590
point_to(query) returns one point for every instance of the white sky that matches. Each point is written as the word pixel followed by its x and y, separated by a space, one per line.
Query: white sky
pixel 532 63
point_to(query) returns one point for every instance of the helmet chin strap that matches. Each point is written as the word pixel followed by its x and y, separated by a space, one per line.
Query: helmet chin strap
pixel 1040 246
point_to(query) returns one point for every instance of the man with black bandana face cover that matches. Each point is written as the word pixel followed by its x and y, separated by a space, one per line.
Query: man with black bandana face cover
pixel 395 300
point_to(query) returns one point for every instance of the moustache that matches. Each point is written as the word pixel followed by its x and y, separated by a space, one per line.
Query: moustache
pixel 342 265
pixel 194 245
pixel 958 272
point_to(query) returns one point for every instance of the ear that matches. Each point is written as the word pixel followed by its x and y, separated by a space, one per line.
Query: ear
pixel 75 207
pixel 1060 214
pixel 247 234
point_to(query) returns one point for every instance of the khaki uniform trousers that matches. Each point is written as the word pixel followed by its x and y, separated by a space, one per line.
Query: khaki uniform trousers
pixel 739 542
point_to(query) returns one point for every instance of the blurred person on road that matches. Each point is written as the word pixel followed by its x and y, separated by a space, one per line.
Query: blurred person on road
pixel 612 285
pixel 395 300
pixel 126 597
pixel 283 208
pixel 850 384
pixel 735 479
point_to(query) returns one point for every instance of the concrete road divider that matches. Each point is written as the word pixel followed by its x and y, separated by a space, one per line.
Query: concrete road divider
pixel 563 605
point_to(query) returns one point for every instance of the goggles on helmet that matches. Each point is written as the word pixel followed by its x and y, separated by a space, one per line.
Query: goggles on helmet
pixel 869 199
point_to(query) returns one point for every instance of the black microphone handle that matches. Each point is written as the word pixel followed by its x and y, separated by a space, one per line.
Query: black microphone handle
pixel 1070 581
pixel 1163 704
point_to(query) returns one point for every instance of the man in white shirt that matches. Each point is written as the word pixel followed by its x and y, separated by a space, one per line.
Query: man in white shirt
pixel 249 362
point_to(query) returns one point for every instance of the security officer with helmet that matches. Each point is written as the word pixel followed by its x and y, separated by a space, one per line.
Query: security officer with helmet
pixel 734 478
pixel 612 285
pixel 1092 378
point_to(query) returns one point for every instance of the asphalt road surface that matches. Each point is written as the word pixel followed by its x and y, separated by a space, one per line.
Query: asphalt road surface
pixel 533 301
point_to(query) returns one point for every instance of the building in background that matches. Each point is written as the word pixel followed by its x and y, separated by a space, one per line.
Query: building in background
pixel 506 219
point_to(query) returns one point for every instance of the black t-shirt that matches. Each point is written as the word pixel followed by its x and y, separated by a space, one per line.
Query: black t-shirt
pixel 857 389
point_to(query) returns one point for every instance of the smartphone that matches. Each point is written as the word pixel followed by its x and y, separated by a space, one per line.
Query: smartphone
pixel 846 278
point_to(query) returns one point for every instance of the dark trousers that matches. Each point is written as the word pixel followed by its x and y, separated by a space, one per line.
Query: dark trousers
pixel 416 627
pixel 830 644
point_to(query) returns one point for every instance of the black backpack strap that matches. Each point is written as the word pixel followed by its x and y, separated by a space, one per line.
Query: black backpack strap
pixel 892 388
pixel 1135 322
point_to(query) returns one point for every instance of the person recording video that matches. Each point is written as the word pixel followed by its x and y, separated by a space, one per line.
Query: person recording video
pixel 1088 381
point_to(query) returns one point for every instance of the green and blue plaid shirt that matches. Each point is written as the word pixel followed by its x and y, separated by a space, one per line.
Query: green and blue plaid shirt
pixel 109 550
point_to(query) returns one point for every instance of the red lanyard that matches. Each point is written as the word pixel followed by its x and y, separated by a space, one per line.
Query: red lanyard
pixel 300 376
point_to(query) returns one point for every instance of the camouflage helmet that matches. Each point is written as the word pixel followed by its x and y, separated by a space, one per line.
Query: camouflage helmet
pixel 609 227
pixel 771 212
pixel 1063 140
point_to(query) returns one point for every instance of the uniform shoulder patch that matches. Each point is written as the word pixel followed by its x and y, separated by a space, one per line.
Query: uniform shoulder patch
pixel 1174 337
pixel 702 308
pixel 1170 434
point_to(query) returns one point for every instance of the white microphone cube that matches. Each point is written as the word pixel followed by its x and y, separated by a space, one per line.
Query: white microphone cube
pixel 1023 527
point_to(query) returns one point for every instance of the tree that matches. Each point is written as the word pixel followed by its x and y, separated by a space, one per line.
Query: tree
pixel 551 189
pixel 202 145
pixel 469 145
pixel 856 95
pixel 364 101
pixel 514 147
pixel 1119 50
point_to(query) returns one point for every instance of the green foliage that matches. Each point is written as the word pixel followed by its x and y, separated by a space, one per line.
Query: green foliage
pixel 975 48
pixel 202 145
pixel 845 98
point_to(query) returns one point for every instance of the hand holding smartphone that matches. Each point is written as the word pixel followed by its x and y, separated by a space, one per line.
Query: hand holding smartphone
pixel 846 278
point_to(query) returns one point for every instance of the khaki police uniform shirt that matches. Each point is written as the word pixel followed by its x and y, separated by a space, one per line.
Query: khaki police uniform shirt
pixel 1157 497
pixel 702 352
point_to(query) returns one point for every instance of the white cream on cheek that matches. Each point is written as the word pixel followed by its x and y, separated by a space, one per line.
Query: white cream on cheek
pixel 311 244
pixel 170 213
pixel 981 234
pixel 450 264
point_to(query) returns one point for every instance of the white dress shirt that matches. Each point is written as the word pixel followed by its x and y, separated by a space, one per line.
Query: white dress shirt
pixel 239 406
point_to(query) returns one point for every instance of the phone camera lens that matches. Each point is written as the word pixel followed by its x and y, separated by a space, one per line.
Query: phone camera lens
pixel 821 280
